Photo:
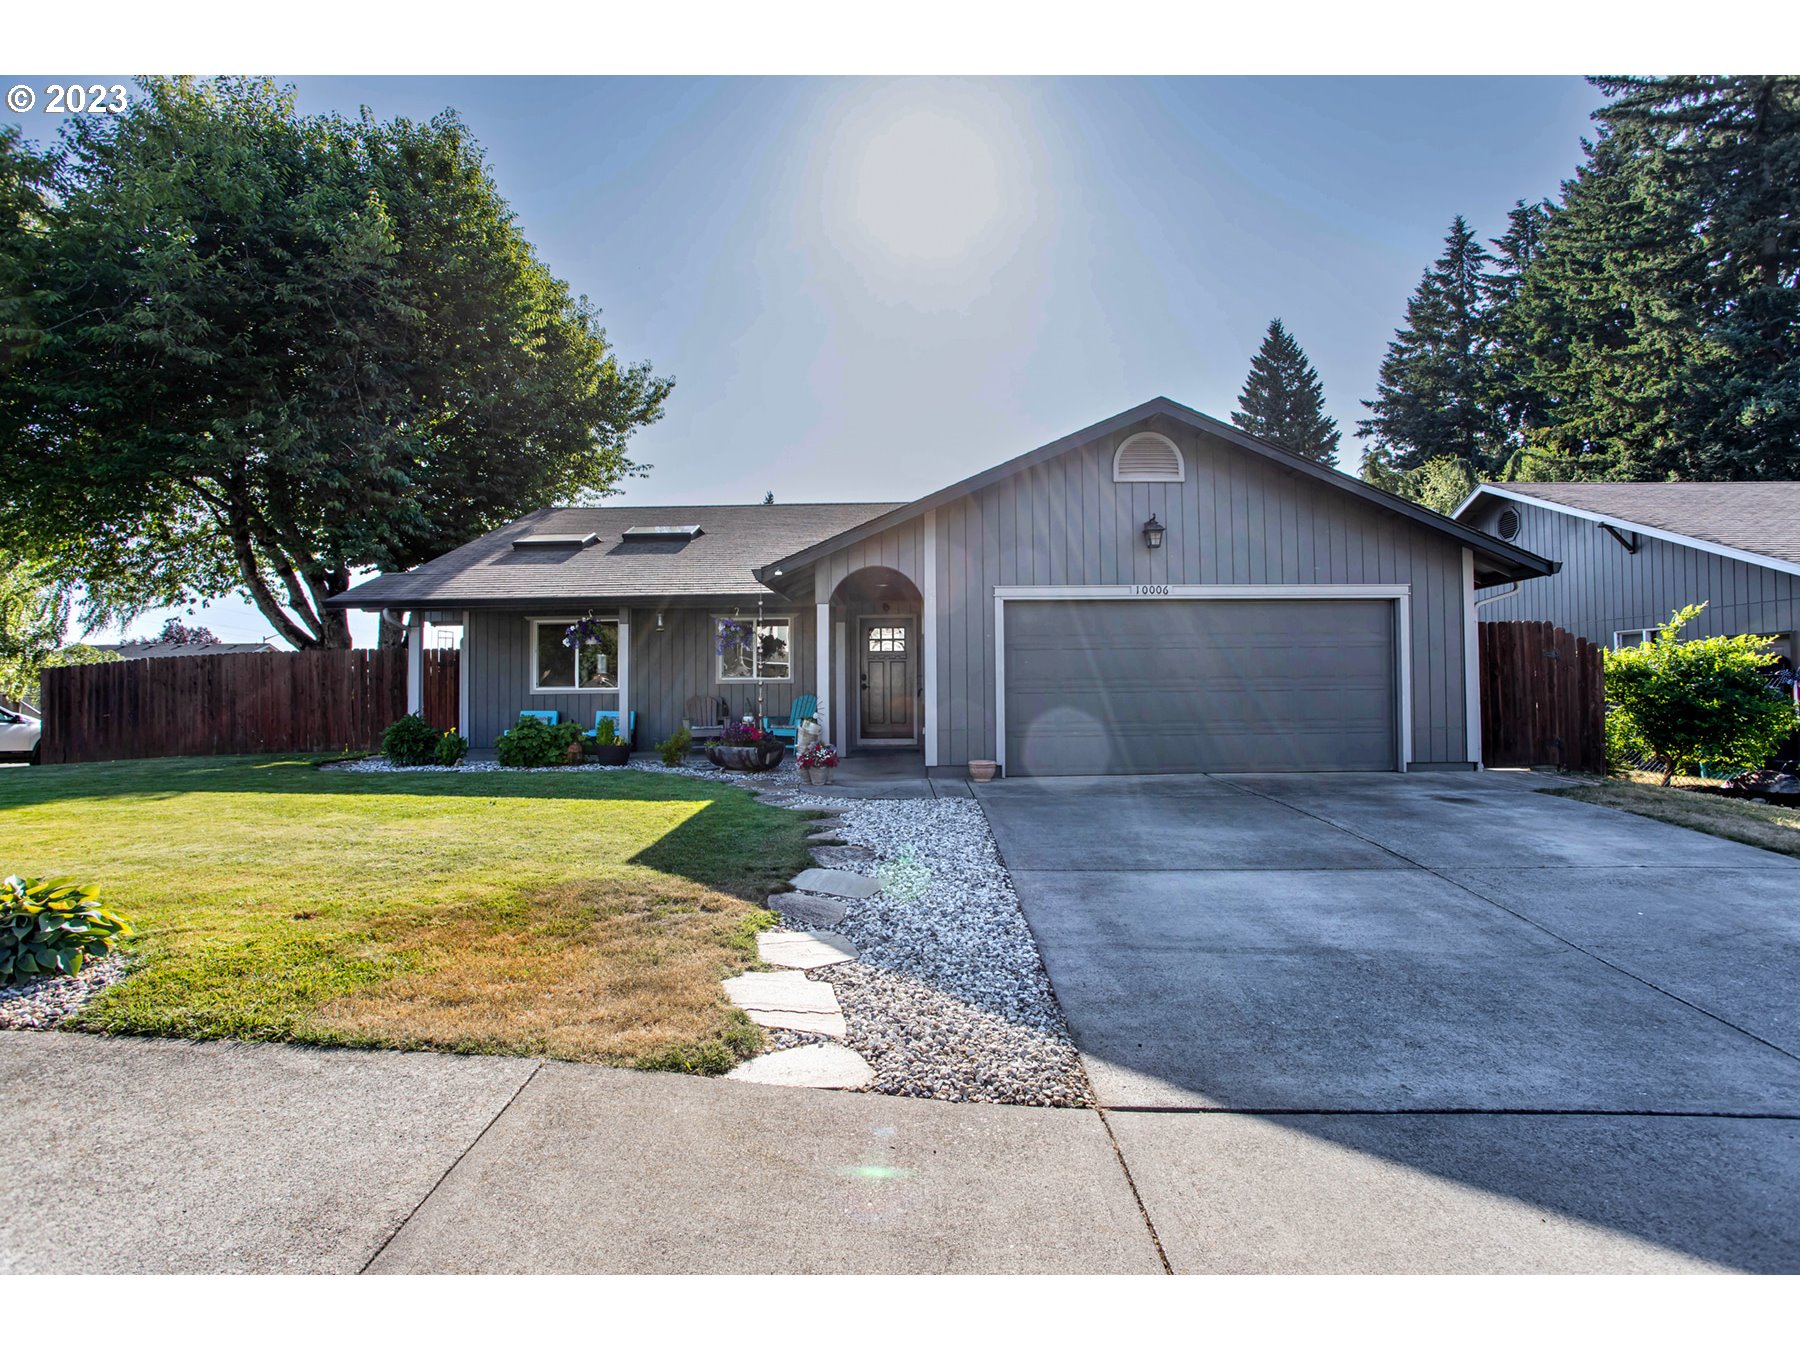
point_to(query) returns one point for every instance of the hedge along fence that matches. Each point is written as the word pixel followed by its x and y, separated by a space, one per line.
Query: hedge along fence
pixel 238 704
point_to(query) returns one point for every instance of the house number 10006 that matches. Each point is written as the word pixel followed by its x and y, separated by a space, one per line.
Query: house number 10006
pixel 1149 590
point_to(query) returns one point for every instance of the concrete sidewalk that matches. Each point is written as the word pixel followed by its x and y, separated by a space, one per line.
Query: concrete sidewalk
pixel 129 1155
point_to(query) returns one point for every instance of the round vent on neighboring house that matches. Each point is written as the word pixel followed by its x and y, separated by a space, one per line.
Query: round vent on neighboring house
pixel 1507 526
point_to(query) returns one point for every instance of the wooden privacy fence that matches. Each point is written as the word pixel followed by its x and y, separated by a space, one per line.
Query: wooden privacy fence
pixel 245 703
pixel 441 689
pixel 1543 698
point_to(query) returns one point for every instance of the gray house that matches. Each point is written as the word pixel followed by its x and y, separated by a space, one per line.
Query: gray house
pixel 1633 553
pixel 1155 593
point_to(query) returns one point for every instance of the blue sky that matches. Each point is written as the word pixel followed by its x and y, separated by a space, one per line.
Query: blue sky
pixel 866 289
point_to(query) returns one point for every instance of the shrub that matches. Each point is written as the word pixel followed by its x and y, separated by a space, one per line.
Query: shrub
pixel 48 926
pixel 1706 702
pixel 675 749
pixel 534 744
pixel 450 748
pixel 411 740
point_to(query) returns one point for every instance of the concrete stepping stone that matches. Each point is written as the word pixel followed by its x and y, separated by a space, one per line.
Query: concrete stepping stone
pixel 815 911
pixel 838 855
pixel 804 951
pixel 814 1066
pixel 787 999
pixel 847 885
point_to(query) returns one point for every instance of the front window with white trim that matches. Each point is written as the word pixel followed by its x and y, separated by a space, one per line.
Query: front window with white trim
pixel 558 667
pixel 754 649
pixel 1633 637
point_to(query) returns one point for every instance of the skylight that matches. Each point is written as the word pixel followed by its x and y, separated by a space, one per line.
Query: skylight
pixel 555 540
pixel 664 532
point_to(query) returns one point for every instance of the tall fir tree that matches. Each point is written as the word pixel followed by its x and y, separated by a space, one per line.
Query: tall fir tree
pixel 1436 393
pixel 1283 400
pixel 1516 399
pixel 1729 150
pixel 1602 331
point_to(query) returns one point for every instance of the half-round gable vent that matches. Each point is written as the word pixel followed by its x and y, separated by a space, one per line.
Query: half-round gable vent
pixel 1507 526
pixel 1148 458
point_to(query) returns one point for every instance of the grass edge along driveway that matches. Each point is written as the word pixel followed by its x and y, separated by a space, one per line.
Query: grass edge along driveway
pixel 1776 828
pixel 579 915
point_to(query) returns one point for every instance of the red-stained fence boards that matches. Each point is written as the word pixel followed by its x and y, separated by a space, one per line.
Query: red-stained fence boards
pixel 1543 698
pixel 240 704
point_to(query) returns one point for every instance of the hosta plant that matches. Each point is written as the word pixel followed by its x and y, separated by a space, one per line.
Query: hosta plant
pixel 50 925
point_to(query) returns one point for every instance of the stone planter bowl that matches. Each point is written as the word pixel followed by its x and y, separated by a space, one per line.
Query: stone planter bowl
pixel 983 770
pixel 747 758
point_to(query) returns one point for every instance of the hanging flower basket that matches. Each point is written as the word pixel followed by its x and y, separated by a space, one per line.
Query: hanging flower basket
pixel 586 631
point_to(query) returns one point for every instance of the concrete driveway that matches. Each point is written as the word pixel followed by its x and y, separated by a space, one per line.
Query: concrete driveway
pixel 1383 1022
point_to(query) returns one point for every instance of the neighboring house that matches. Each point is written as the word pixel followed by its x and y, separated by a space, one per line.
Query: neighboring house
pixel 150 647
pixel 1633 553
pixel 1156 593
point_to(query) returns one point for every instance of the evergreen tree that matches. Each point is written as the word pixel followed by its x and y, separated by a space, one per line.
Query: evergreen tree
pixel 1517 401
pixel 1729 150
pixel 1602 333
pixel 1283 400
pixel 1436 392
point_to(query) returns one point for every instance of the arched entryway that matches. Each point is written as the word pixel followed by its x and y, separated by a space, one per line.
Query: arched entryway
pixel 878 661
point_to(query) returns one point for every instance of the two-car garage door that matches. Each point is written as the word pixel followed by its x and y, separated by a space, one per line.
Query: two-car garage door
pixel 1200 686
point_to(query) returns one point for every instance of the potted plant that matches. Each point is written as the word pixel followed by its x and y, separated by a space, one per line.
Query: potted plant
pixel 983 770
pixel 817 760
pixel 608 746
pixel 746 746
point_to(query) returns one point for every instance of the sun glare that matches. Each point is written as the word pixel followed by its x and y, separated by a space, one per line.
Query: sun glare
pixel 926 185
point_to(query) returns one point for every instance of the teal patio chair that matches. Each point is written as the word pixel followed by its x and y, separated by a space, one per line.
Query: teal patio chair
pixel 803 707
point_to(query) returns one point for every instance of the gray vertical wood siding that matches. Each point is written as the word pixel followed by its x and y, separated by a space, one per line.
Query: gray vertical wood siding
pixel 1602 589
pixel 1236 520
pixel 667 669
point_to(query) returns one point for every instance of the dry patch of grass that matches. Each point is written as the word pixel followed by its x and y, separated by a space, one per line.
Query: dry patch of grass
pixel 1776 828
pixel 582 970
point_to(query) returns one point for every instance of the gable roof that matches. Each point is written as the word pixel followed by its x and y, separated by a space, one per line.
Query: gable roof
pixel 720 560
pixel 1752 522
pixel 1495 560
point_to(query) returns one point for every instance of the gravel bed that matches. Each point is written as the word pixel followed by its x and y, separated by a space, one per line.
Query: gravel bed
pixel 44 1003
pixel 948 997
pixel 784 775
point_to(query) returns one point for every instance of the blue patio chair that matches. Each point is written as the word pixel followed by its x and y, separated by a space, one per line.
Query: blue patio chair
pixel 803 707
pixel 551 717
pixel 630 724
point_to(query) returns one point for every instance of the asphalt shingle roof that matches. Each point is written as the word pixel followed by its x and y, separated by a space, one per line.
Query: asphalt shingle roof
pixel 735 540
pixel 1755 517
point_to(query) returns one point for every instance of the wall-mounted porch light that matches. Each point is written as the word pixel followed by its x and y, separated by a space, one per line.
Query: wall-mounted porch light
pixel 1153 531
pixel 659 622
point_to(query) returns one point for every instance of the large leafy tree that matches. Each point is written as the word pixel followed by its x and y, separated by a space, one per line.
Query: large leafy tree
pixel 1436 395
pixel 1283 400
pixel 249 350
pixel 34 615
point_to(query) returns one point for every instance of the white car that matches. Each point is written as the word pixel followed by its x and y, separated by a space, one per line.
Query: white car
pixel 19 735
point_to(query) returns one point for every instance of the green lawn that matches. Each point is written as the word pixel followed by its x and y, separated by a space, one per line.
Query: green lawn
pixel 579 915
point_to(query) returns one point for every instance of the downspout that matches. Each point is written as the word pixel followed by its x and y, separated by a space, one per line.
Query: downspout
pixel 1512 588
